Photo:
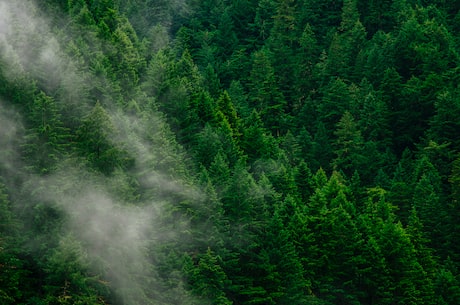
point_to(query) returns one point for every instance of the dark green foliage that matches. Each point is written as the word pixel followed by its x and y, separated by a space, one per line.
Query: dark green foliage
pixel 208 280
pixel 443 126
pixel 12 271
pixel 230 152
pixel 264 93
pixel 346 43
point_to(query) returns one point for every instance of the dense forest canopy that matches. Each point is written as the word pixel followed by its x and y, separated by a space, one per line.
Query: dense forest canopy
pixel 230 152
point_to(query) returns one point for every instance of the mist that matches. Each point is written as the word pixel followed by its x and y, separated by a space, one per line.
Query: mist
pixel 11 131
pixel 117 232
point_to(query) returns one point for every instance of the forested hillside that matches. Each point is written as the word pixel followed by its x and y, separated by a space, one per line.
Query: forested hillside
pixel 230 152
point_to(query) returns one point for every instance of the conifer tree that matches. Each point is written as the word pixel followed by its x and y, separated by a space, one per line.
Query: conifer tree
pixel 208 279
pixel 264 92
pixel 304 66
pixel 94 141
pixel 443 125
pixel 226 106
pixel 12 273
pixel 335 101
pixel 226 38
pixel 454 209
pixel 46 140
pixel 283 43
pixel 256 141
pixel 349 146
pixel 346 43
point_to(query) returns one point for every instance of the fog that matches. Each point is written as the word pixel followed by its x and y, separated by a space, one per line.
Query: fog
pixel 116 234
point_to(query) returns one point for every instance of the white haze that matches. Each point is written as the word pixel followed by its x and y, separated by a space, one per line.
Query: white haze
pixel 10 131
pixel 113 232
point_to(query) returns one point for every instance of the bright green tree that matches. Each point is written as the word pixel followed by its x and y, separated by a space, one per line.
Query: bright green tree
pixel 349 146
pixel 208 280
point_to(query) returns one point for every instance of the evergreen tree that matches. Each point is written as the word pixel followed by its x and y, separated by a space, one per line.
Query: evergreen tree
pixel 94 142
pixel 454 210
pixel 285 280
pixel 428 205
pixel 208 280
pixel 446 284
pixel 264 92
pixel 316 159
pixel 13 275
pixel 66 282
pixel 226 38
pixel 406 281
pixel 349 145
pixel 304 66
pixel 346 43
pixel 401 189
pixel 378 15
pixel 443 125
pixel 283 43
pixel 335 101
pixel 225 105
pixel 46 140
pixel 256 142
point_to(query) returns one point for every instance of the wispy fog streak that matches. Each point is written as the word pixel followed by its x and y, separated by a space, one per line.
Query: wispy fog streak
pixel 114 234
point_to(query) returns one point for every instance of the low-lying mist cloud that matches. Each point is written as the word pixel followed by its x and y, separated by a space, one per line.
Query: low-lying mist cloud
pixel 116 235
pixel 10 132
pixel 25 39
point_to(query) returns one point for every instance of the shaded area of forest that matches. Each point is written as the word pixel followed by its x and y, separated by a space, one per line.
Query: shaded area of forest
pixel 229 152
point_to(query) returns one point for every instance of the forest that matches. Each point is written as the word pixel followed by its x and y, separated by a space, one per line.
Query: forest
pixel 217 152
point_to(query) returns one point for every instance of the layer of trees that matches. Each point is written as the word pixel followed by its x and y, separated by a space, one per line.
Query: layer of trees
pixel 299 152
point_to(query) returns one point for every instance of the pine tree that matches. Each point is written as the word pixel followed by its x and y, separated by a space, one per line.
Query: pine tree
pixel 335 101
pixel 346 43
pixel 256 141
pixel 226 38
pixel 208 280
pixel 47 137
pixel 264 92
pixel 332 247
pixel 303 178
pixel 454 210
pixel 94 142
pixel 423 252
pixel 283 44
pixel 443 125
pixel 378 15
pixel 349 146
pixel 447 286
pixel 285 282
pixel 207 145
pixel 376 57
pixel 304 67
pixel 66 281
pixel 225 105
pixel 428 205
pixel 401 189
pixel 12 273
pixel 406 280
